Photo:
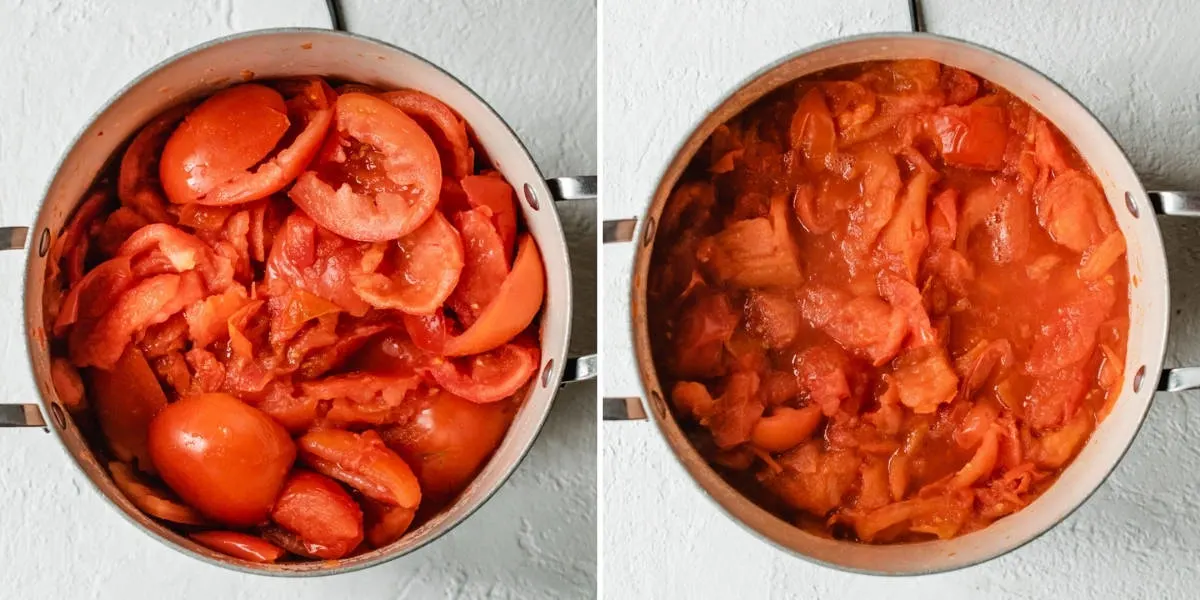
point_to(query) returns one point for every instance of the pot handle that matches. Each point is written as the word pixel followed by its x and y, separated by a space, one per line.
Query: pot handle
pixel 573 189
pixel 18 415
pixel 631 408
pixel 1177 204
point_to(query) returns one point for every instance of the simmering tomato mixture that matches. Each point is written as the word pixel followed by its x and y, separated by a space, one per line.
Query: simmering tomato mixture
pixel 889 302
pixel 296 320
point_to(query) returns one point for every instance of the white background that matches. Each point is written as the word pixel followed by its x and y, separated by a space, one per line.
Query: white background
pixel 1133 63
pixel 534 61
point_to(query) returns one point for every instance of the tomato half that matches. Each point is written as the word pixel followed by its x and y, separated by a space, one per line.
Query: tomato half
pixel 222 456
pixel 321 514
pixel 419 272
pixel 138 184
pixel 239 545
pixel 448 132
pixel 362 461
pixel 377 177
pixel 448 439
pixel 488 377
pixel 222 152
pixel 516 303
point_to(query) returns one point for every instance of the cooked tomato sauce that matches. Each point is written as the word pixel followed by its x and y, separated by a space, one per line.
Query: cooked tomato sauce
pixel 295 320
pixel 889 302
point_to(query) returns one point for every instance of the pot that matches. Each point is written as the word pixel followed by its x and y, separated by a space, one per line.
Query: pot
pixel 1135 210
pixel 283 53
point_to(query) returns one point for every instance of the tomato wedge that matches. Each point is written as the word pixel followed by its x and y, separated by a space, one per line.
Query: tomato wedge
pixel 320 513
pixel 488 377
pixel 222 152
pixel 362 461
pixel 153 501
pixel 517 302
pixel 377 177
pixel 485 266
pixel 239 545
pixel 492 191
pixel 386 524
pixel 127 398
pixel 419 273
pixel 448 132
pixel 138 184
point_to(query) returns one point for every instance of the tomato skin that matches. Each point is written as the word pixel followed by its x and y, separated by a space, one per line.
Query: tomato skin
pixel 321 513
pixel 307 257
pixel 492 191
pixel 222 456
pixel 380 198
pixel 421 270
pixel 362 461
pixel 448 440
pixel 386 524
pixel 514 307
pixel 447 131
pixel 239 545
pixel 484 268
pixel 490 376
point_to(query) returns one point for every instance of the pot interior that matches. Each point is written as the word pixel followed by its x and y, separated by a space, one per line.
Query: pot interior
pixel 285 53
pixel 1148 309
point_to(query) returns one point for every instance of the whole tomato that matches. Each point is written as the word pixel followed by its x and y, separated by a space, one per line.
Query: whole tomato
pixel 222 456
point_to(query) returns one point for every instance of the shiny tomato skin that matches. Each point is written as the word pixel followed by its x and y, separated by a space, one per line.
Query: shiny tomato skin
pixel 448 132
pixel 321 513
pixel 362 461
pixel 239 545
pixel 222 456
pixel 488 377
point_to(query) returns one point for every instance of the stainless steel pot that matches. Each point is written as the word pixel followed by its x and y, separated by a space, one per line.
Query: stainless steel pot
pixel 283 53
pixel 1135 210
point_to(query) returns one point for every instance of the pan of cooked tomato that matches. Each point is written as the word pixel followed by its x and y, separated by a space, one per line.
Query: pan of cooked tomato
pixel 297 302
pixel 900 304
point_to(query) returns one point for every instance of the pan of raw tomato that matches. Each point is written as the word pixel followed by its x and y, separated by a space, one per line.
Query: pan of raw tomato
pixel 295 320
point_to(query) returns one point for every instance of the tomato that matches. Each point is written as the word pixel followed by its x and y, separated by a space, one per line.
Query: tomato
pixel 74 239
pixel 295 412
pixel 127 399
pixel 138 184
pixel 485 266
pixel 350 339
pixel 154 502
pixel 266 218
pixel 448 439
pixel 68 385
pixel 419 272
pixel 786 428
pixel 222 456
pixel 321 514
pixel 292 311
pixel 160 248
pixel 239 545
pixel 377 177
pixel 516 303
pixel 223 152
pixel 392 354
pixel 385 524
pixel 488 377
pixel 362 461
pixel 308 257
pixel 492 191
pixel 363 398
pixel 972 136
pixel 150 302
pixel 208 320
pixel 811 132
pixel 94 294
pixel 117 228
pixel 448 132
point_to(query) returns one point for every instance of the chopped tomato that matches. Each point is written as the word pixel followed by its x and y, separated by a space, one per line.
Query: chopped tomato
pixel 813 480
pixel 363 398
pixel 325 518
pixel 493 192
pixel 811 132
pixel 705 323
pixel 150 302
pixel 127 398
pixel 224 152
pixel 291 311
pixel 377 177
pixel 484 269
pixel 385 524
pixel 419 272
pixel 1066 210
pixel 786 428
pixel 772 317
pixel 972 136
pixel 208 319
pixel 924 379
pixel 362 461
pixel 239 545
pixel 153 501
pixel 138 185
pixel 307 257
pixel 68 385
pixel 118 227
pixel 736 412
pixel 295 412
pixel 448 132
pixel 488 377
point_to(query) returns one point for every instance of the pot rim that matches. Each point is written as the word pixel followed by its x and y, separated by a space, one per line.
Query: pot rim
pixel 377 556
pixel 648 372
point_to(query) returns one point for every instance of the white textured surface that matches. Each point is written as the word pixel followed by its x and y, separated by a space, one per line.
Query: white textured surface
pixel 665 63
pixel 533 60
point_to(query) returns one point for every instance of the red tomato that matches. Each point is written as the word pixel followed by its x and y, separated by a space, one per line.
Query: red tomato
pixel 150 302
pixel 138 184
pixel 222 152
pixel 150 500
pixel 385 524
pixel 208 320
pixel 392 354
pixel 363 398
pixel 296 413
pixel 488 377
pixel 127 399
pixel 492 191
pixel 239 545
pixel 68 384
pixel 516 303
pixel 485 266
pixel 74 240
pixel 293 310
pixel 972 136
pixel 377 177
pixel 222 456
pixel 321 514
pixel 117 228
pixel 160 248
pixel 308 257
pixel 448 132
pixel 419 272
pixel 362 461
pixel 448 439
pixel 94 294
pixel 811 131
pixel 351 338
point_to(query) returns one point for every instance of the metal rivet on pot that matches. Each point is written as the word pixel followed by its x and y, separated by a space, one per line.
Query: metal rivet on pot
pixel 546 371
pixel 648 231
pixel 657 404
pixel 1131 205
pixel 530 197
pixel 44 242
pixel 1138 377
pixel 56 413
